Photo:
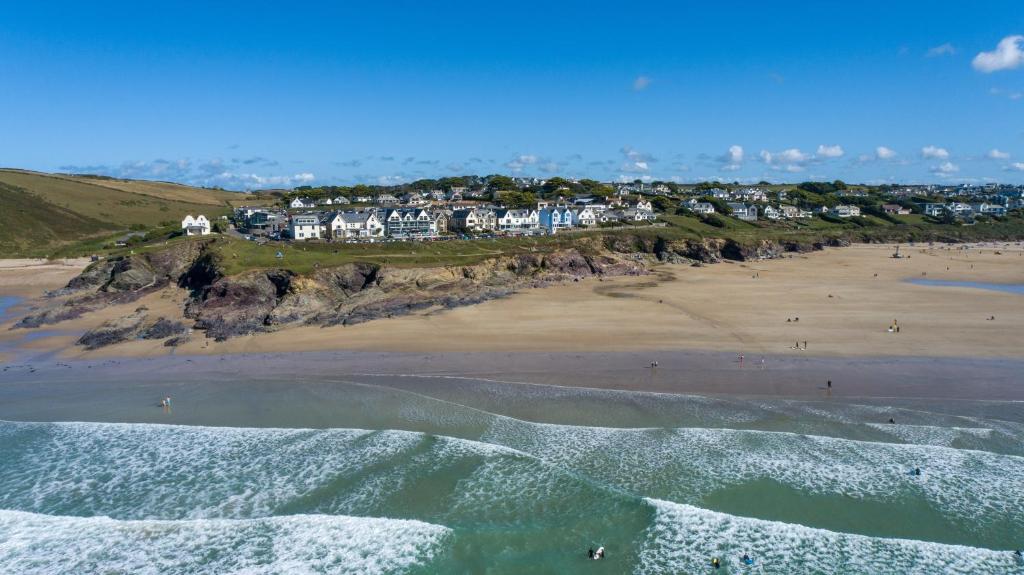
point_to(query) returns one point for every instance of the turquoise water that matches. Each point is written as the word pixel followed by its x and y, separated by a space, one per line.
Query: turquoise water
pixel 1008 288
pixel 381 474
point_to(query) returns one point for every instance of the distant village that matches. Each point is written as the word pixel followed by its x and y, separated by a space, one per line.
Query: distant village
pixel 472 207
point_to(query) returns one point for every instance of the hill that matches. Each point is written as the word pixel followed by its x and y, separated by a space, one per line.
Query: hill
pixel 56 214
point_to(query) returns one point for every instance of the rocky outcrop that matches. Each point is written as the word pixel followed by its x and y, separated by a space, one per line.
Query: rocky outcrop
pixel 137 325
pixel 118 280
pixel 114 331
pixel 262 301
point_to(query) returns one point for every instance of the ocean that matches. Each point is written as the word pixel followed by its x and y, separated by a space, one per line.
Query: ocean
pixel 384 473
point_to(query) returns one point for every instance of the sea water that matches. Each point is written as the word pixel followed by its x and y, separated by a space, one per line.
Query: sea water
pixel 385 474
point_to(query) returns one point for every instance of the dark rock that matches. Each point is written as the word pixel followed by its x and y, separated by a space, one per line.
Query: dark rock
pixel 163 328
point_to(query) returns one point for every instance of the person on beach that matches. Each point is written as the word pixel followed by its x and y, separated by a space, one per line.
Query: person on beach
pixel 828 384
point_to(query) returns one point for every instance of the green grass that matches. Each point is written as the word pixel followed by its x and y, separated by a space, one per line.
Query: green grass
pixel 53 215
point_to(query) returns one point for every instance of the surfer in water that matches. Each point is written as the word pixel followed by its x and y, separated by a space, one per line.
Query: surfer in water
pixel 715 562
pixel 747 559
pixel 599 554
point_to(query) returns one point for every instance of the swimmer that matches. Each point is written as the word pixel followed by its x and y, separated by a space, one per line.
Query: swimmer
pixel 716 563
pixel 747 559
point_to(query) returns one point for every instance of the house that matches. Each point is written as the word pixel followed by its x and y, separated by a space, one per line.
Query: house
pixel 341 200
pixel 789 212
pixel 473 220
pixel 363 199
pixel 306 227
pixel 845 211
pixel 934 210
pixel 584 217
pixel 353 224
pixel 299 203
pixel 703 208
pixel 895 209
pixel 517 220
pixel 771 213
pixel 636 215
pixel 409 223
pixel 989 209
pixel 414 199
pixel 441 221
pixel 743 212
pixel 557 218
pixel 387 200
pixel 197 226
pixel 644 205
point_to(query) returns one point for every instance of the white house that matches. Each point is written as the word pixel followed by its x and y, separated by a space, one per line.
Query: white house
pixel 636 215
pixel 585 217
pixel 845 211
pixel 771 213
pixel 341 200
pixel 364 224
pixel 306 227
pixel 517 220
pixel 410 223
pixel 197 226
pixel 302 203
pixel 645 205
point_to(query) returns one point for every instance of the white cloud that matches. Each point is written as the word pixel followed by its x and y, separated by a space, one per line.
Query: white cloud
pixel 1016 166
pixel 946 49
pixel 995 154
pixel 520 162
pixel 945 168
pixel 391 180
pixel 790 160
pixel 883 153
pixel 733 159
pixel 1007 56
pixel 641 83
pixel 935 153
pixel 830 151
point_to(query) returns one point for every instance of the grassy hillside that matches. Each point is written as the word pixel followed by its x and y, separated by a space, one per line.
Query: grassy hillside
pixel 48 215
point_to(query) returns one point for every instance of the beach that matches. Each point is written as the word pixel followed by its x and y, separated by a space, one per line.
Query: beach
pixel 667 418
pixel 841 302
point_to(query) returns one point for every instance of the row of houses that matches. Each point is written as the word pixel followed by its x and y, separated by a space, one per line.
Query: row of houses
pixel 410 199
pixel 401 223
pixel 751 212
pixel 964 210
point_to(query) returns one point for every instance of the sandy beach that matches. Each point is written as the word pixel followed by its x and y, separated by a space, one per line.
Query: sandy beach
pixel 841 302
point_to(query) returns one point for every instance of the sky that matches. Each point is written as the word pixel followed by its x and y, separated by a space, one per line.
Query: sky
pixel 247 95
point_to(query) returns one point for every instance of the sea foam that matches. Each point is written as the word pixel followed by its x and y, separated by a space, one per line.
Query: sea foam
pixel 43 544
pixel 683 539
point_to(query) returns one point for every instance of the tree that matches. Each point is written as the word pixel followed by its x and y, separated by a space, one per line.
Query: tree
pixel 720 206
pixel 662 204
pixel 497 183
pixel 552 185
pixel 518 200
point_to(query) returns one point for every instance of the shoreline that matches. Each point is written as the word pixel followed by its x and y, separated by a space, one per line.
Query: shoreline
pixel 678 372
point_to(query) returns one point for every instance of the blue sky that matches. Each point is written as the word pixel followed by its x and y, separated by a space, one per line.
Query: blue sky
pixel 258 94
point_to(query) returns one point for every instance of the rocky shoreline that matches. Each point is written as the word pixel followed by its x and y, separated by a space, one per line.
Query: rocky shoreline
pixel 226 306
